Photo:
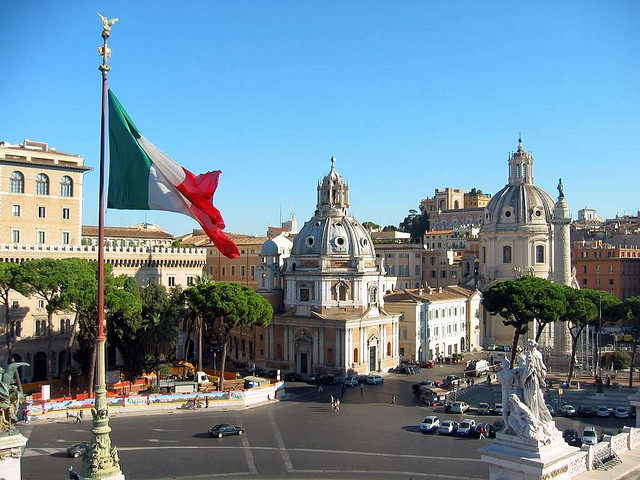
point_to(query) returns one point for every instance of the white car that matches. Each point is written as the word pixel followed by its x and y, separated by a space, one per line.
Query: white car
pixel 602 411
pixel 430 424
pixel 466 427
pixel 568 411
pixel 483 408
pixel 497 409
pixel 621 412
pixel 374 379
pixel 589 436
pixel 448 427
pixel 351 381
pixel 459 407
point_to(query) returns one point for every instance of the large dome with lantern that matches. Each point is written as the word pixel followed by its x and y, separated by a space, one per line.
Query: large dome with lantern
pixel 332 233
pixel 520 203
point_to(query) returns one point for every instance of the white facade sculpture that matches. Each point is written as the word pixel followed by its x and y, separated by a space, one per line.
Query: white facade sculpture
pixel 523 396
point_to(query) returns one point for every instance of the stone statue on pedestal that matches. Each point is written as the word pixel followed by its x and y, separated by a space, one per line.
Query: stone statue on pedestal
pixel 10 398
pixel 523 396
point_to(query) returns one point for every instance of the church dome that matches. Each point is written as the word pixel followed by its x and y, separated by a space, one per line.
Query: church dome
pixel 340 235
pixel 332 232
pixel 520 202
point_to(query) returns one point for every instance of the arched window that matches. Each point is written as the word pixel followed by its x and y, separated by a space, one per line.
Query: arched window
pixel 341 291
pixel 456 205
pixel 355 355
pixel 66 186
pixel 16 182
pixel 517 171
pixel 506 254
pixel 539 254
pixel 388 349
pixel 373 295
pixel 524 171
pixel 42 184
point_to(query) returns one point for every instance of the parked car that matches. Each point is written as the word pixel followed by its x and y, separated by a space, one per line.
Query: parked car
pixel 603 411
pixel 427 364
pixel 430 424
pixel 552 410
pixel 327 380
pixel 451 381
pixel 78 450
pixel 223 429
pixel 489 431
pixel 497 409
pixel 374 379
pixel 312 377
pixel 466 428
pixel 351 381
pixel 483 408
pixel 621 412
pixel 498 426
pixel 568 411
pixel 448 427
pixel 586 411
pixel 589 435
pixel 459 407
pixel 570 435
pixel 492 347
pixel 292 377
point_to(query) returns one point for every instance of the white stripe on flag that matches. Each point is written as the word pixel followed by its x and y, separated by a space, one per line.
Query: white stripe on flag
pixel 170 169
pixel 164 196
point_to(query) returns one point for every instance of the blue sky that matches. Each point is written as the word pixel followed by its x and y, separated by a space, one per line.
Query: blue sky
pixel 412 95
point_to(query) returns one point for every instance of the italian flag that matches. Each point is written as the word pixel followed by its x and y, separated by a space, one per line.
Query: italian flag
pixel 141 177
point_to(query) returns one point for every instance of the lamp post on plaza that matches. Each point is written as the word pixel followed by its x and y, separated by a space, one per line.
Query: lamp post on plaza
pixel 69 380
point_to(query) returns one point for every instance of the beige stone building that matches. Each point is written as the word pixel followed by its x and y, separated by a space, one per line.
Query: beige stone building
pixel 40 195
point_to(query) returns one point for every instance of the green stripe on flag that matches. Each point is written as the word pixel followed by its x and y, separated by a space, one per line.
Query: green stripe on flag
pixel 129 164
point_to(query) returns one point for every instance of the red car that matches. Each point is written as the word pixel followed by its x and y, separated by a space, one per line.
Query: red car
pixel 427 364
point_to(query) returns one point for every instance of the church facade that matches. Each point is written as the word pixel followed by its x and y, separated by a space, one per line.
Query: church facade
pixel 524 232
pixel 332 318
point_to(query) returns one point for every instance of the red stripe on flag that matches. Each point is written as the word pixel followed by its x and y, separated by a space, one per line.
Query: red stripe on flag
pixel 199 191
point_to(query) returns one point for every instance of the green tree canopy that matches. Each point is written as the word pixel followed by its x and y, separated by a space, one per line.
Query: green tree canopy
pixel 228 305
pixel 580 311
pixel 48 279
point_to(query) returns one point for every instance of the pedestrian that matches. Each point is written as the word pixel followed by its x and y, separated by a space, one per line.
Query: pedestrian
pixel 68 413
pixel 343 389
pixel 393 400
pixel 320 388
pixel 78 419
pixel 81 414
pixel 481 430
pixel 608 381
pixel 206 402
pixel 362 389
pixel 332 400
pixel 25 414
pixel 337 405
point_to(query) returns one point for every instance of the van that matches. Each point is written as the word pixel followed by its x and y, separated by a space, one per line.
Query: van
pixel 477 368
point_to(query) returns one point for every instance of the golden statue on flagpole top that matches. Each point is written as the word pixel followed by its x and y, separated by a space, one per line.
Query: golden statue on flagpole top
pixel 106 24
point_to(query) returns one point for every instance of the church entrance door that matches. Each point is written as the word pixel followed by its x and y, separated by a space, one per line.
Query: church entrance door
pixel 373 356
pixel 303 363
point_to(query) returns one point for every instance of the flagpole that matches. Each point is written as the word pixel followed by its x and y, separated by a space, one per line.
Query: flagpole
pixel 102 461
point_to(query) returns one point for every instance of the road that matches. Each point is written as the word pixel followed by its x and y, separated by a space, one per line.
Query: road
pixel 298 437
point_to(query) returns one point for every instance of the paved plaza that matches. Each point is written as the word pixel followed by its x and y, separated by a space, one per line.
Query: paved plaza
pixel 298 437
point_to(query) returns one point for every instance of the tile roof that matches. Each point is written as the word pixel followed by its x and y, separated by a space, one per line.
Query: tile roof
pixel 126 232
pixel 415 295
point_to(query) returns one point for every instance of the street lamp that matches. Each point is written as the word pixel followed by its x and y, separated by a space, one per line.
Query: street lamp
pixel 69 379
